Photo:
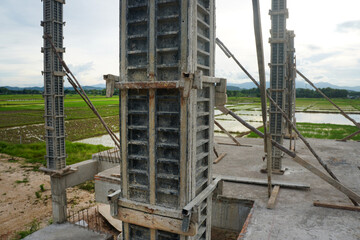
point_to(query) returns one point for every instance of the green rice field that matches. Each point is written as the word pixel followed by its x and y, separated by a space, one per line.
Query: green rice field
pixel 22 119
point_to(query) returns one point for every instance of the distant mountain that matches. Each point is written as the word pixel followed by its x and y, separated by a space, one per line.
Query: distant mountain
pixel 13 88
pixel 100 85
pixel 94 87
pixel 232 88
pixel 247 85
pixel 303 84
pixel 299 84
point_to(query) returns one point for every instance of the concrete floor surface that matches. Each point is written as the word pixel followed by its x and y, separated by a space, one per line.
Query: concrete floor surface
pixel 67 231
pixel 294 216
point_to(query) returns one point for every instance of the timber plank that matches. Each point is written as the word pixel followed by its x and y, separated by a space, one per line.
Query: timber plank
pixel 263 182
pixel 337 206
pixel 153 221
pixel 273 197
pixel 219 158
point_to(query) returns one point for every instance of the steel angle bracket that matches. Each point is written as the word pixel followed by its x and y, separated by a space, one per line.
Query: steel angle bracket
pixel 110 84
pixel 186 83
pixel 113 201
pixel 58 173
pixel 220 92
pixel 195 203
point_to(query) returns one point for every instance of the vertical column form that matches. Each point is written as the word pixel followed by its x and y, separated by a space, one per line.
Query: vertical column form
pixel 204 105
pixel 53 84
pixel 278 75
pixel 290 83
pixel 54 103
pixel 166 138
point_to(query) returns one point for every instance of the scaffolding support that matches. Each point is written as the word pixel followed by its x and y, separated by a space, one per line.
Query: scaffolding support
pixel 354 197
pixel 285 116
pixel 261 67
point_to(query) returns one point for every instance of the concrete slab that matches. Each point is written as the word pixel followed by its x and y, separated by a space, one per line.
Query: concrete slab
pixel 106 182
pixel 294 216
pixel 104 210
pixel 66 231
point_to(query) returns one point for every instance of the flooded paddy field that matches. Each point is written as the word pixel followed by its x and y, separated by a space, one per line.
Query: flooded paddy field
pixel 22 117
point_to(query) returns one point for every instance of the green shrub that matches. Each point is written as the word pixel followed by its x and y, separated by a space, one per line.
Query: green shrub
pixel 33 227
pixel 35 152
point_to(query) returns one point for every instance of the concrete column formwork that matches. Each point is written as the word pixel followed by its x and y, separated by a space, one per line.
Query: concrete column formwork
pixel 54 102
pixel 278 75
pixel 166 115
pixel 290 83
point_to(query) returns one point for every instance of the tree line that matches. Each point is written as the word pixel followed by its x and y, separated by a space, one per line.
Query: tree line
pixel 300 93
pixel 253 92
pixel 5 91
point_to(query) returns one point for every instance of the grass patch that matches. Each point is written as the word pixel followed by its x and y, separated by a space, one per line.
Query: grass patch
pixel 13 160
pixel 87 186
pixel 38 194
pixel 321 131
pixel 33 227
pixel 34 152
pixel 25 180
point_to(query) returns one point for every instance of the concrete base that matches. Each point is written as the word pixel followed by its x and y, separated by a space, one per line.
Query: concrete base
pixel 294 216
pixel 67 231
pixel 106 182
pixel 230 213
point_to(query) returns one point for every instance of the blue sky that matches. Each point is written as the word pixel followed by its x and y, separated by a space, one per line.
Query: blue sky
pixel 327 39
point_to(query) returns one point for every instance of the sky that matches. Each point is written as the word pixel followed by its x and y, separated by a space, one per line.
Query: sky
pixel 327 40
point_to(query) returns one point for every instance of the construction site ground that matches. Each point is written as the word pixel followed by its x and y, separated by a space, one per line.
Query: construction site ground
pixel 23 203
pixel 294 216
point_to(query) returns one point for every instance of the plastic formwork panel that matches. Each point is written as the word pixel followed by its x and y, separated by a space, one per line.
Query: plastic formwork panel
pixel 138 145
pixel 278 75
pixel 290 83
pixel 53 85
pixel 167 148
pixel 166 137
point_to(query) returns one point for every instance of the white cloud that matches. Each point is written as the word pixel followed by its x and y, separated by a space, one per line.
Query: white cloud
pixel 327 45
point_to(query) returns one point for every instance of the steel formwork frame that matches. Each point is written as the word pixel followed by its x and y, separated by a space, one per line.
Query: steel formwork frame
pixel 166 124
pixel 290 83
pixel 53 84
pixel 278 75
pixel 54 103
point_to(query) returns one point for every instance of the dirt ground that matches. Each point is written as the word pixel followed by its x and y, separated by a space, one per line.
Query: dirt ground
pixel 22 200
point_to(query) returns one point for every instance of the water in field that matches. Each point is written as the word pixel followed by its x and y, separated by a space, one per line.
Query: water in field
pixel 254 118
pixel 332 118
pixel 103 140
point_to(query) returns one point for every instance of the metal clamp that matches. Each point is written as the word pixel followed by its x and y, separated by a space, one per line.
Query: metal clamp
pixel 113 200
pixel 187 210
pixel 110 84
